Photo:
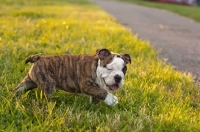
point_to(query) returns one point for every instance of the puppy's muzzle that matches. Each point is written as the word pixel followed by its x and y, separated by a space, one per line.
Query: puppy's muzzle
pixel 117 78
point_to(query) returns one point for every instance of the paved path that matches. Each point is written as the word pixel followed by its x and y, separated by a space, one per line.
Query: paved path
pixel 177 38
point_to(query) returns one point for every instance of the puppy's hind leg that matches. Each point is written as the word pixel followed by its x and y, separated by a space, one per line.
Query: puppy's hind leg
pixel 25 85
pixel 47 88
pixel 46 84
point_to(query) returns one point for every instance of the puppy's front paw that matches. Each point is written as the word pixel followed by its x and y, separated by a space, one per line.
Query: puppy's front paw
pixel 111 100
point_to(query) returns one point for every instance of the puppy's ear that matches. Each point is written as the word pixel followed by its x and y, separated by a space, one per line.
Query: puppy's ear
pixel 97 51
pixel 126 58
pixel 103 53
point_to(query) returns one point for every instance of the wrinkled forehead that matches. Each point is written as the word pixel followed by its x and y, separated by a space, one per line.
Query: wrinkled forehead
pixel 117 61
pixel 112 59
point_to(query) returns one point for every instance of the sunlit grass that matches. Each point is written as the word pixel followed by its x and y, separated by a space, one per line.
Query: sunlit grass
pixel 155 97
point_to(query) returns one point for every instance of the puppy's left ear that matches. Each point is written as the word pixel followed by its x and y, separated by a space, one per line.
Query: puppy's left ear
pixel 126 58
pixel 103 53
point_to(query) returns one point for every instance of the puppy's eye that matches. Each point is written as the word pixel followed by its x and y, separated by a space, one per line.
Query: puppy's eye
pixel 108 68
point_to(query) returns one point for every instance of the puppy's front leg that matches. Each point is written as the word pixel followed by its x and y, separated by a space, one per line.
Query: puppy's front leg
pixel 94 100
pixel 92 89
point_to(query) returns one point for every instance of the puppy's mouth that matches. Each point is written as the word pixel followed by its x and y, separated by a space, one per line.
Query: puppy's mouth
pixel 114 87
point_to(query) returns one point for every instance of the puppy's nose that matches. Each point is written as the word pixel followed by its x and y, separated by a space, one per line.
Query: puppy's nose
pixel 117 78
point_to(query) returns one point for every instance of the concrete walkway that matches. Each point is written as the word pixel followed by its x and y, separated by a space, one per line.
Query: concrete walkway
pixel 177 38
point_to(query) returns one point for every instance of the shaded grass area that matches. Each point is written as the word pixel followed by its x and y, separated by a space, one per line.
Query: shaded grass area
pixel 187 11
pixel 154 98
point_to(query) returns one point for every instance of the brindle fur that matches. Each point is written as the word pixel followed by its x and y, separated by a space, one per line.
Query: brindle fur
pixel 71 73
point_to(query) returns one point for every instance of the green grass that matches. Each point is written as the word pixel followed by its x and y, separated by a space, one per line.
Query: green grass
pixel 155 97
pixel 187 11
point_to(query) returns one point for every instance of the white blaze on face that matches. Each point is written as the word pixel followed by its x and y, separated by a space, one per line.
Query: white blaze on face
pixel 106 75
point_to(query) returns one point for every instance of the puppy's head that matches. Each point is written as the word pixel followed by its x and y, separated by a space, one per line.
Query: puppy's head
pixel 111 69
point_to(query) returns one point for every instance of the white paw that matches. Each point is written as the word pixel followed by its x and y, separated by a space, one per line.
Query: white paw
pixel 111 100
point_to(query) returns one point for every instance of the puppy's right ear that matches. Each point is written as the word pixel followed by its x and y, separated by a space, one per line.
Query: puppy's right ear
pixel 103 53
pixel 126 58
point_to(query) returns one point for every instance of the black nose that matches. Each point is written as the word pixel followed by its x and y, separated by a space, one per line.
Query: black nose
pixel 117 78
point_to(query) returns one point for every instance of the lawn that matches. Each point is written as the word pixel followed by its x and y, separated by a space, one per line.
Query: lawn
pixel 155 97
pixel 191 12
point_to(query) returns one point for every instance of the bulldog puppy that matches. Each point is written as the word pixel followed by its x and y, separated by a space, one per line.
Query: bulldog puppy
pixel 92 74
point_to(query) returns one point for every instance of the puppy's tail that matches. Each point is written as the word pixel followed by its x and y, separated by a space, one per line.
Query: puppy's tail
pixel 32 58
